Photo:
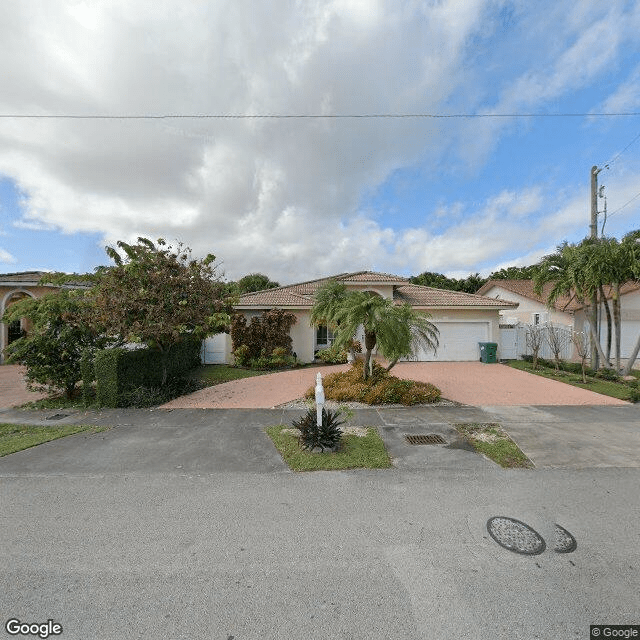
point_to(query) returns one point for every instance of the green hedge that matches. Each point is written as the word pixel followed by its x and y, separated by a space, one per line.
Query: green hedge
pixel 88 373
pixel 118 372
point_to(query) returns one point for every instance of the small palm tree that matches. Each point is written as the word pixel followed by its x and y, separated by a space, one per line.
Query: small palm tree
pixel 395 329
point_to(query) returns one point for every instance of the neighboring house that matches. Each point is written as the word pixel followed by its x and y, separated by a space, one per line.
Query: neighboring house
pixel 14 287
pixel 532 308
pixel 567 311
pixel 463 319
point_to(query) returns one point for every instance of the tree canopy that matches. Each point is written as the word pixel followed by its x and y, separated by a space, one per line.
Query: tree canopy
pixel 58 335
pixel 255 282
pixel 159 295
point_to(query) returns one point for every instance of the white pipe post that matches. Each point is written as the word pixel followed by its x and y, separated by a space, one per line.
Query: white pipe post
pixel 319 399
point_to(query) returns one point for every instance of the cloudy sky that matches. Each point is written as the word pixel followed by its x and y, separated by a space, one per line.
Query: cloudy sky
pixel 298 198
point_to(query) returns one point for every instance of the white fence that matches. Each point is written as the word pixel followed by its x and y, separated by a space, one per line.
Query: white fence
pixel 513 342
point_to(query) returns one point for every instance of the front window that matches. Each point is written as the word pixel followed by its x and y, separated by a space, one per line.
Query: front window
pixel 324 337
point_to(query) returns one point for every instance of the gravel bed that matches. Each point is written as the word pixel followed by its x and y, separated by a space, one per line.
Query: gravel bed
pixel 301 403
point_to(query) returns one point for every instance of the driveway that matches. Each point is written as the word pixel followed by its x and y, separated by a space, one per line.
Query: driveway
pixel 13 390
pixel 470 383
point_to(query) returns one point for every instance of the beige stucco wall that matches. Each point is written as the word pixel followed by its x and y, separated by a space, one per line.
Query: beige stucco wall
pixel 527 307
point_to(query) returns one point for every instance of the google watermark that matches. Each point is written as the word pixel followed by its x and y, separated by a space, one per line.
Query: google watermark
pixel 614 631
pixel 15 627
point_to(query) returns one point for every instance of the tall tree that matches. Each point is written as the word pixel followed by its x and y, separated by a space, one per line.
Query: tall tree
pixel 570 271
pixel 395 329
pixel 159 295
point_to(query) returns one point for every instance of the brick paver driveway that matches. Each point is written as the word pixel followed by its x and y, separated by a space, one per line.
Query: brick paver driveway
pixel 471 383
pixel 13 390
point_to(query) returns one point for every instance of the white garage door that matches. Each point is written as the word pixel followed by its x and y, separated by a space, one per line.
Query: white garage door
pixel 458 342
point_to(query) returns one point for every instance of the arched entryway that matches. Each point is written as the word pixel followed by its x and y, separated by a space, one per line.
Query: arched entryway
pixel 17 328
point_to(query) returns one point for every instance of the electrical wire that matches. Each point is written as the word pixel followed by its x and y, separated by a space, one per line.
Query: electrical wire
pixel 624 205
pixel 607 165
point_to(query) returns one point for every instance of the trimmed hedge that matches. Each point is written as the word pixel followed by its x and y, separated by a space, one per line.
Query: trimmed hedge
pixel 88 373
pixel 123 375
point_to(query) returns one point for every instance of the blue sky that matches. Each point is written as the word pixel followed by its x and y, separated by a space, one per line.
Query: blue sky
pixel 302 198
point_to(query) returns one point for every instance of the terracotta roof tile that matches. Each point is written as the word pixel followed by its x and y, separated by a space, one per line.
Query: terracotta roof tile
pixel 525 289
pixel 301 295
pixel 419 296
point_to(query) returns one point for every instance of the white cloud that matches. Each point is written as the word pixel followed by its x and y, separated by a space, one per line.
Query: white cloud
pixel 6 257
pixel 626 97
pixel 278 196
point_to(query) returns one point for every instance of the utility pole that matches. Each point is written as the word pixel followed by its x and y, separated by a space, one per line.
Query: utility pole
pixel 594 298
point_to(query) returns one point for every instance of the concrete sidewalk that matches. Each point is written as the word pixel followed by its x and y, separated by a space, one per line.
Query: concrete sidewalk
pixel 212 440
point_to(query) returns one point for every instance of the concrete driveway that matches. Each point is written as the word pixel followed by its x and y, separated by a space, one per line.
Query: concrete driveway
pixel 470 383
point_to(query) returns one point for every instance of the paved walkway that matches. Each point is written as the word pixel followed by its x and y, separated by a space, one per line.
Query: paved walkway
pixel 470 383
pixel 13 390
pixel 257 392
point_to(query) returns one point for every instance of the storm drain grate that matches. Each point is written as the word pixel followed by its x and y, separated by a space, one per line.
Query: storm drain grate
pixel 430 438
pixel 515 536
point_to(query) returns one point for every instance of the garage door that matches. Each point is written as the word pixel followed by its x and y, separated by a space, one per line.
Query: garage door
pixel 458 342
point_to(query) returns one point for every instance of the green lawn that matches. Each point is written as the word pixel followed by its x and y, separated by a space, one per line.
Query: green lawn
pixel 16 437
pixel 495 443
pixel 357 452
pixel 619 390
pixel 212 374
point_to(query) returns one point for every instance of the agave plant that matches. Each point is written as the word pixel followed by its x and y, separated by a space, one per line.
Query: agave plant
pixel 324 437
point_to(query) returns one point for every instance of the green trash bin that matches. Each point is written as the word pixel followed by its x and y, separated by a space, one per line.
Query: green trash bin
pixel 488 352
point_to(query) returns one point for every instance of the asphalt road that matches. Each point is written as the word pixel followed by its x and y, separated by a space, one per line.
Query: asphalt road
pixel 174 553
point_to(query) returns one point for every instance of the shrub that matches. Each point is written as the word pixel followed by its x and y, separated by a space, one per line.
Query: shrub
pixel 262 335
pixel 326 436
pixel 380 388
pixel 241 355
pixel 119 372
pixel 335 355
pixel 608 374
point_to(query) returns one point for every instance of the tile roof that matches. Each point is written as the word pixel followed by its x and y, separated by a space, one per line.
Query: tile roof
pixel 525 289
pixel 419 296
pixel 22 276
pixel 301 295
pixel 564 303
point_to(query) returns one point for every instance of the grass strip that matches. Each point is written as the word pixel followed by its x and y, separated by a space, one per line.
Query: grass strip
pixel 610 388
pixel 16 437
pixel 492 441
pixel 366 452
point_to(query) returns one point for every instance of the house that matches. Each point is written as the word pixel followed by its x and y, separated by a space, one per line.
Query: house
pixel 463 319
pixel 14 287
pixel 532 308
pixel 567 311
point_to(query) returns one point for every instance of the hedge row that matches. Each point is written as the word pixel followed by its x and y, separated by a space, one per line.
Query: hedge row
pixel 118 373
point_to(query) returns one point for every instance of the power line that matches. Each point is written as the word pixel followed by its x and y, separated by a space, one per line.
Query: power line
pixel 285 116
pixel 608 164
pixel 624 205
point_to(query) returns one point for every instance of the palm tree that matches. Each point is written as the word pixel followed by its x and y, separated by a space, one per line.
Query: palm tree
pixel 571 270
pixel 395 329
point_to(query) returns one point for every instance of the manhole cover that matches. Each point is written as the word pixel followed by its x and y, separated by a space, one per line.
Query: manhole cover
pixel 565 542
pixel 57 416
pixel 515 536
pixel 430 438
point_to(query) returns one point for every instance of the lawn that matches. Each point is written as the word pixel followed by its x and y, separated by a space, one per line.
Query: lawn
pixel 212 374
pixel 620 390
pixel 366 452
pixel 16 437
pixel 492 441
